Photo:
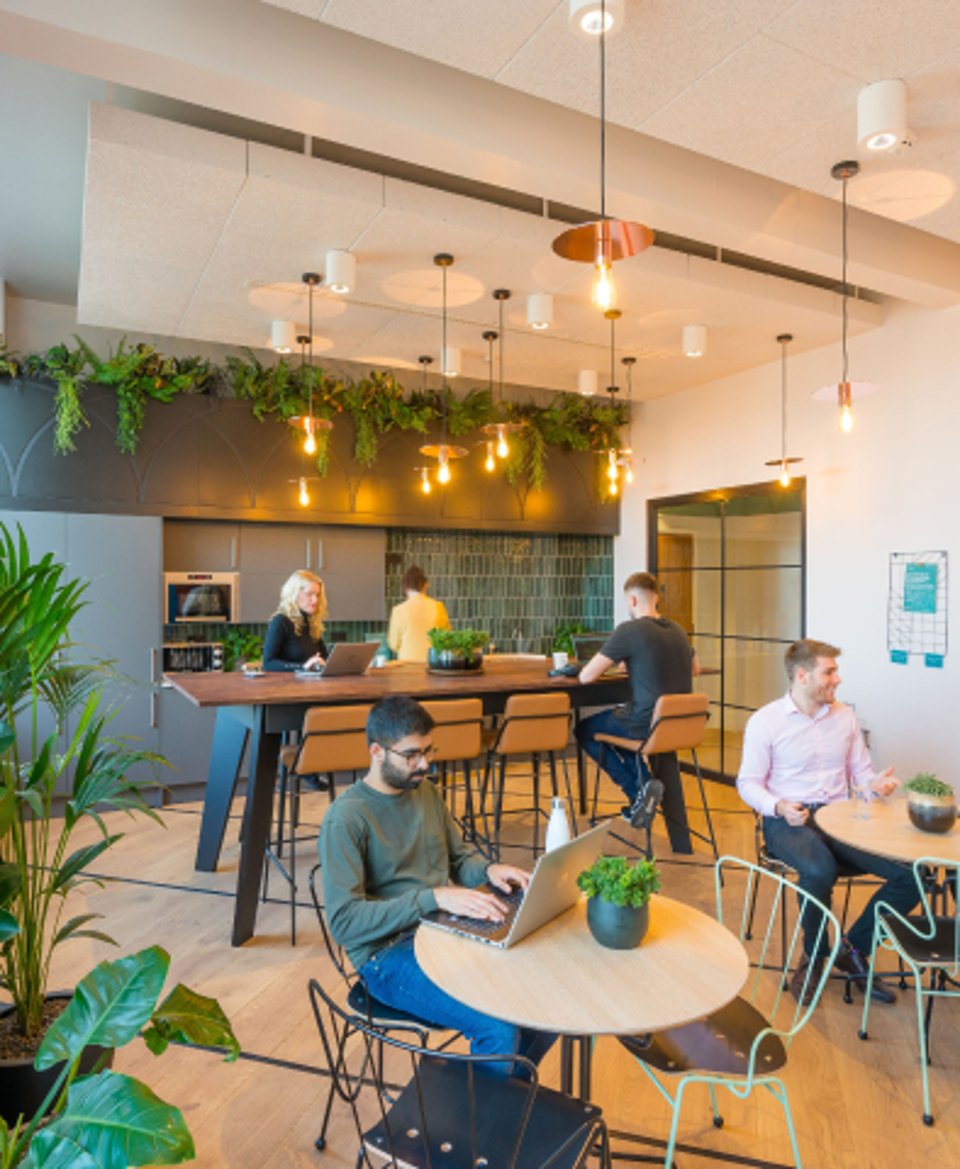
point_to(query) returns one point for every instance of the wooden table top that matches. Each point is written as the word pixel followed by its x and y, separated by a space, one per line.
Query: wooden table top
pixel 888 832
pixel 234 689
pixel 559 979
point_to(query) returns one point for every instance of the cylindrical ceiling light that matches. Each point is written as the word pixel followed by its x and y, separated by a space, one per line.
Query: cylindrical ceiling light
pixel 882 115
pixel 694 340
pixel 283 335
pixel 590 17
pixel 450 361
pixel 587 382
pixel 539 310
pixel 341 272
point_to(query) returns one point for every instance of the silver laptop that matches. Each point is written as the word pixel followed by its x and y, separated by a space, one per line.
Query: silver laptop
pixel 552 890
pixel 346 657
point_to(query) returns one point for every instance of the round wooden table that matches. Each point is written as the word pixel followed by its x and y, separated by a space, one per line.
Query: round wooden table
pixel 559 979
pixel 888 831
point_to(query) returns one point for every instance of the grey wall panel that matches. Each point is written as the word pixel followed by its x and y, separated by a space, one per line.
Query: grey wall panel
pixel 208 457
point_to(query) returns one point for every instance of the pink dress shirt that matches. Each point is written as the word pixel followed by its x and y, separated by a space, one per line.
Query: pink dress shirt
pixel 787 755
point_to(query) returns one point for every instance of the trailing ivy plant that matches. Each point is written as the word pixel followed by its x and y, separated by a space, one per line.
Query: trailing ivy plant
pixel 377 403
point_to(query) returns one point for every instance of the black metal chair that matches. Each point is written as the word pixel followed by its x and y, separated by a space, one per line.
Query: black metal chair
pixel 414 1108
pixel 363 1005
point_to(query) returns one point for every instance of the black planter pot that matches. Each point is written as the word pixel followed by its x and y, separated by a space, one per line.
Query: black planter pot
pixel 446 661
pixel 23 1089
pixel 618 927
pixel 931 813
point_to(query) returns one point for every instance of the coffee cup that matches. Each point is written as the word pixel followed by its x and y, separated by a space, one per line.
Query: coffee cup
pixel 560 659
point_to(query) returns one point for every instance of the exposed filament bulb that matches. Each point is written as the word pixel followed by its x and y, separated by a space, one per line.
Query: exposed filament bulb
pixel 490 463
pixel 425 485
pixel 304 495
pixel 502 449
pixel 443 470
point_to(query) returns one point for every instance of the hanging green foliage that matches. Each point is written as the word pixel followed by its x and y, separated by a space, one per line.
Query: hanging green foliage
pixel 377 403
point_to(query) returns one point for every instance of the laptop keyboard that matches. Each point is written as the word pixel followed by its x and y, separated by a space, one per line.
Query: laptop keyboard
pixel 511 900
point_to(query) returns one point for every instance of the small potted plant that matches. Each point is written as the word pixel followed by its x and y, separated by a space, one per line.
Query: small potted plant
pixel 931 803
pixel 456 650
pixel 618 899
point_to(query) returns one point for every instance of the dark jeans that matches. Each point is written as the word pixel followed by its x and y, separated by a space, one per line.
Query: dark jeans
pixel 620 766
pixel 816 857
pixel 393 975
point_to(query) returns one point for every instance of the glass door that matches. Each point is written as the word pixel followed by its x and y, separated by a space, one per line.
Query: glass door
pixel 731 567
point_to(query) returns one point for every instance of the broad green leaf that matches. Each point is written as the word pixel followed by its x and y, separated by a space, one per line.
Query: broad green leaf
pixel 48 1150
pixel 120 1122
pixel 108 1007
pixel 187 1017
pixel 9 926
pixel 69 928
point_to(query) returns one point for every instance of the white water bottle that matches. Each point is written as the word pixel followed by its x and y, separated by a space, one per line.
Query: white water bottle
pixel 558 826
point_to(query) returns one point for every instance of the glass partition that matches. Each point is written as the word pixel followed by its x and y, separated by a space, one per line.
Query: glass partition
pixel 731 567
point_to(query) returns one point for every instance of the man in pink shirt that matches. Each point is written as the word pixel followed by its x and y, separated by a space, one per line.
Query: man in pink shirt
pixel 800 752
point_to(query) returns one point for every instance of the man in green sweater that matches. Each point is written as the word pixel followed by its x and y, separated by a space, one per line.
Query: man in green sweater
pixel 391 852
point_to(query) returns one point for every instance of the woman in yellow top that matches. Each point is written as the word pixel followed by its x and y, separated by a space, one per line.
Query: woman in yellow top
pixel 410 620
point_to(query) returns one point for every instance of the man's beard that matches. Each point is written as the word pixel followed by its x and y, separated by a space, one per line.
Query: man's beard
pixel 401 779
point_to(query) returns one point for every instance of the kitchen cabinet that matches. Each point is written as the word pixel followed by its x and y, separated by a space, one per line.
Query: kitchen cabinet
pixel 199 546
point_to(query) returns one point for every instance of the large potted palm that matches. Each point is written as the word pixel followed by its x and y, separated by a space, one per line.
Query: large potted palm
pixel 60 770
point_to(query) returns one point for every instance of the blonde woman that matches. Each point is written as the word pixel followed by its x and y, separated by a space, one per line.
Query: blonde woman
pixel 294 639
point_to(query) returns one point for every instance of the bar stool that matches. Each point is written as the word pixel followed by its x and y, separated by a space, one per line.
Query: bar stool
pixel 679 723
pixel 334 739
pixel 458 739
pixel 534 725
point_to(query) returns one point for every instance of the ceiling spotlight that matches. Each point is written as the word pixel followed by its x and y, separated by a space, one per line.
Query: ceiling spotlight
pixel 341 272
pixel 587 382
pixel 539 310
pixel 694 340
pixel 590 17
pixel 882 115
pixel 283 336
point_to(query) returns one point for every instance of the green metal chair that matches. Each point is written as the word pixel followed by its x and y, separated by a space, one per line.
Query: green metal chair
pixel 927 944
pixel 744 1045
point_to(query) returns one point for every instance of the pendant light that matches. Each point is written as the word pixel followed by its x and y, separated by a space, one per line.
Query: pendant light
pixel 442 451
pixel 785 462
pixel 845 390
pixel 309 424
pixel 498 431
pixel 613 453
pixel 490 462
pixel 603 241
pixel 626 453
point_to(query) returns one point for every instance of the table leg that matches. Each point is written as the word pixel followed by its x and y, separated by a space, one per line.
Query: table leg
pixel 582 1047
pixel 226 754
pixel 264 752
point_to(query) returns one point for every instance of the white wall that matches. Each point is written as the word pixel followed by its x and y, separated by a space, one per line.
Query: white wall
pixel 892 485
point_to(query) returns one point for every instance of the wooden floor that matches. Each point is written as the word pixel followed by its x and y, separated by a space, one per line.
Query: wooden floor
pixel 856 1104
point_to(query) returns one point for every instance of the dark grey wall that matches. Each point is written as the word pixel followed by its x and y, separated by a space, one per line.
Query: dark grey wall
pixel 208 457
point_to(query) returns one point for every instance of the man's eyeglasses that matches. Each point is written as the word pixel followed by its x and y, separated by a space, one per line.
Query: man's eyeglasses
pixel 413 753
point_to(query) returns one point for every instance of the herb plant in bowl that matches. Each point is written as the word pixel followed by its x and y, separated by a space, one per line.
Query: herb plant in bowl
pixel 456 650
pixel 931 803
pixel 618 899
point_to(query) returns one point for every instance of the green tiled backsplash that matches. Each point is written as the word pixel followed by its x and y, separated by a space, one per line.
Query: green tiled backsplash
pixel 519 588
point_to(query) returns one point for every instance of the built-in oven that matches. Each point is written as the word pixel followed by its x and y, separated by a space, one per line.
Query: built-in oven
pixel 192 656
pixel 201 596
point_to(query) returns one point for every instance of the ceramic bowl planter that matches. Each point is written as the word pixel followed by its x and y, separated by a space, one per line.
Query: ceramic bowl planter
pixel 932 813
pixel 931 803
pixel 456 651
pixel 618 900
pixel 618 927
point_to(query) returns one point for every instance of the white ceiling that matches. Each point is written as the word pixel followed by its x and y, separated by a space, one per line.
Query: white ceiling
pixel 191 233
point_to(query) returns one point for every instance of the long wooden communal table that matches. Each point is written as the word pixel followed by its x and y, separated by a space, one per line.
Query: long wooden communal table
pixel 262 709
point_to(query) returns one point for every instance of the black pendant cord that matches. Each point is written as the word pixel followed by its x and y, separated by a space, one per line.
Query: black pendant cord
pixel 613 347
pixel 500 351
pixel 603 109
pixel 844 289
pixel 783 403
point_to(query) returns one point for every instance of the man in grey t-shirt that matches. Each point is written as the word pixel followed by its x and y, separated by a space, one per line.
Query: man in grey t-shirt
pixel 659 660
